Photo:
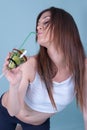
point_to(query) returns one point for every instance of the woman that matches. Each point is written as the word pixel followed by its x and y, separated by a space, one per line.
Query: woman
pixel 47 82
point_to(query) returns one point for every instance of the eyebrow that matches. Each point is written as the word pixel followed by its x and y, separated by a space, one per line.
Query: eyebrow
pixel 45 18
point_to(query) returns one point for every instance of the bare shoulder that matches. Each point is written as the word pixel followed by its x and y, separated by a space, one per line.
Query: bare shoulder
pixel 32 58
pixel 32 63
pixel 29 68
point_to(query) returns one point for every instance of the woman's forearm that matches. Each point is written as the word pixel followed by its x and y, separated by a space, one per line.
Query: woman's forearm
pixel 13 104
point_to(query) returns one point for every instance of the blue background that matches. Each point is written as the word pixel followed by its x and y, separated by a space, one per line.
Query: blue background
pixel 17 20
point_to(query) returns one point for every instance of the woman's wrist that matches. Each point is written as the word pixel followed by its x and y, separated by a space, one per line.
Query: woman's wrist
pixel 13 86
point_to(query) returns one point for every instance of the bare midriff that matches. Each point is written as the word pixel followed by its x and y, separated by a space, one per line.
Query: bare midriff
pixel 28 115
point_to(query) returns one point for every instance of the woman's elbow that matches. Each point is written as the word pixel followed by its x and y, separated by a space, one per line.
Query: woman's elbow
pixel 12 112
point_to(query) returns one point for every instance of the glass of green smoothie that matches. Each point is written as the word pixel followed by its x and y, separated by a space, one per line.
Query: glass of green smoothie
pixel 17 57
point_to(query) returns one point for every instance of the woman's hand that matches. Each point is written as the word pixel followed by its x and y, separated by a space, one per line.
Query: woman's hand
pixel 14 76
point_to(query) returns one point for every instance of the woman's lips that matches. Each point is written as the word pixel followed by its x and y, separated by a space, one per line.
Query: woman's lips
pixel 39 33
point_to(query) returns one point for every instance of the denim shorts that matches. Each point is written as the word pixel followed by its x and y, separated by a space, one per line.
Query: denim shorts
pixel 8 122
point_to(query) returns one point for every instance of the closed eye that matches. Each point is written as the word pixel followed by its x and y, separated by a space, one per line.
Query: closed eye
pixel 46 23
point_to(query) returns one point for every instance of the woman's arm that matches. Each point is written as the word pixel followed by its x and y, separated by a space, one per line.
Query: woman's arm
pixel 18 82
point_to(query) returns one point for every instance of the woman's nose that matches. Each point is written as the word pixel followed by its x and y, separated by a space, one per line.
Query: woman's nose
pixel 39 27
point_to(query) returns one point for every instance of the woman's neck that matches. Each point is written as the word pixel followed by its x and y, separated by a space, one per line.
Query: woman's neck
pixel 57 57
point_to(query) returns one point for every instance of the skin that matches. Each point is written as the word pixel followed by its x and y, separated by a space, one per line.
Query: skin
pixel 20 77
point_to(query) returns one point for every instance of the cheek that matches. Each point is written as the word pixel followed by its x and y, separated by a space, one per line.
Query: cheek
pixel 47 37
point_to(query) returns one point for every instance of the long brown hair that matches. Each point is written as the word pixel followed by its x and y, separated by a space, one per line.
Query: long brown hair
pixel 66 37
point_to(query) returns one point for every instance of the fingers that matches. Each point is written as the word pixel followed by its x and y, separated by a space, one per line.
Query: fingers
pixel 5 65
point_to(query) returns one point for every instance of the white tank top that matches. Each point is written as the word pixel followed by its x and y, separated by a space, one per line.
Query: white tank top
pixel 37 96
